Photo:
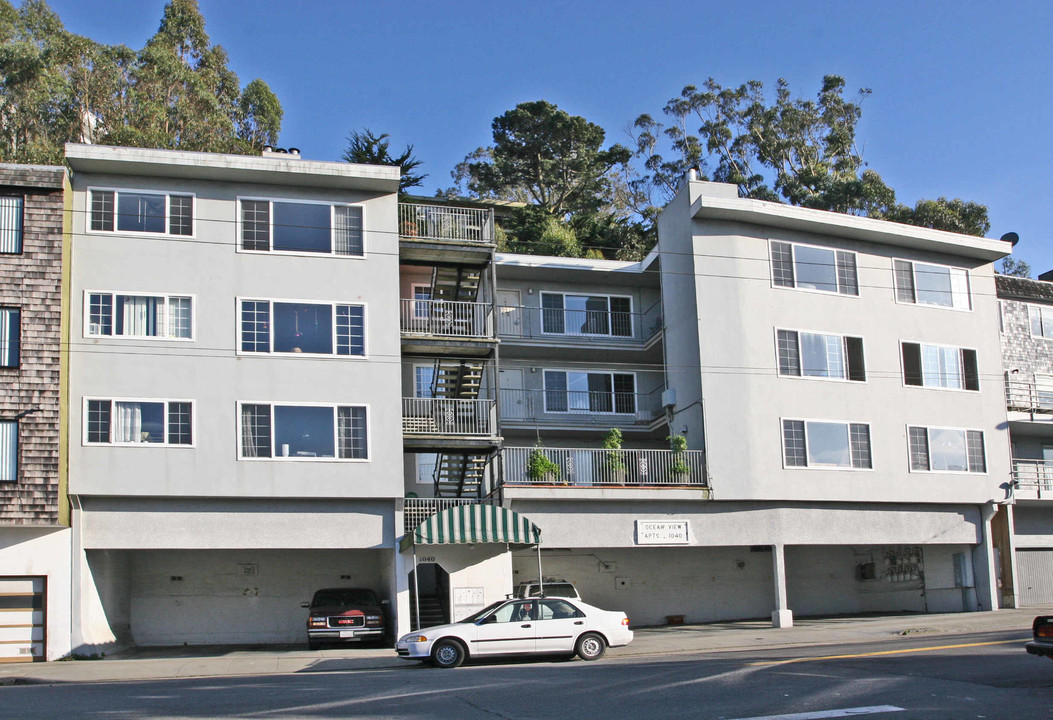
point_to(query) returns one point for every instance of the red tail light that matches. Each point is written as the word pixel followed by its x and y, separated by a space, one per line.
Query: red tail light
pixel 1044 631
pixel 625 622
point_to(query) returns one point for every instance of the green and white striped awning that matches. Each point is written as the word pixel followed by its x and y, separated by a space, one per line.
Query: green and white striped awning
pixel 473 524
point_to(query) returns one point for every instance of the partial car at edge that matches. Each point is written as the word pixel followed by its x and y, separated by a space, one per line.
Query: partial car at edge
pixel 1042 636
pixel 520 626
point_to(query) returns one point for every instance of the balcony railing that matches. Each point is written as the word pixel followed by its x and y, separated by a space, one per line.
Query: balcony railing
pixel 558 407
pixel 560 325
pixel 1025 395
pixel 1034 479
pixel 444 223
pixel 446 416
pixel 417 510
pixel 448 318
pixel 589 467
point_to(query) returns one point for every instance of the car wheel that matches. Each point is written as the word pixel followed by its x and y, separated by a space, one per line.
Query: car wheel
pixel 590 646
pixel 447 654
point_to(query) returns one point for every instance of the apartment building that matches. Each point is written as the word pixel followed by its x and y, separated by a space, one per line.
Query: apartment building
pixel 34 514
pixel 235 426
pixel 1026 331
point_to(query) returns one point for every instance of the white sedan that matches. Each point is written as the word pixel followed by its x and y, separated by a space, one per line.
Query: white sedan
pixel 536 625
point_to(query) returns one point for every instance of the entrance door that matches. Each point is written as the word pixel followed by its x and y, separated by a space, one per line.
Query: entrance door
pixel 513 398
pixel 509 314
pixel 22 619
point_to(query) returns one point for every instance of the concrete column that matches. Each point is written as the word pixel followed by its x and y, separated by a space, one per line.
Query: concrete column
pixel 984 573
pixel 782 617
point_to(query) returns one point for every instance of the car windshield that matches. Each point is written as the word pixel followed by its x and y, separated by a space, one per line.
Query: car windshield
pixel 344 597
pixel 482 613
pixel 559 589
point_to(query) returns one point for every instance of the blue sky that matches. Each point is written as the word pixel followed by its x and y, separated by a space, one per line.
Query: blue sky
pixel 961 97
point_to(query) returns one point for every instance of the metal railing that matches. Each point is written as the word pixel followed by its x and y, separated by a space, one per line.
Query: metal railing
pixel 1024 394
pixel 581 467
pixel 559 325
pixel 449 318
pixel 417 510
pixel 448 416
pixel 441 222
pixel 1034 479
pixel 605 409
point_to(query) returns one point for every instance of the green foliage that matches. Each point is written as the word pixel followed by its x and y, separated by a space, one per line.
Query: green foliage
pixel 177 92
pixel 678 460
pixel 612 443
pixel 794 150
pixel 1012 266
pixel 539 467
pixel 533 230
pixel 365 147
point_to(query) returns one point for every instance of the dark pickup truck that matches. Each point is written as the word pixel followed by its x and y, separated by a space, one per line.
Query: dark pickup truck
pixel 344 615
pixel 1042 633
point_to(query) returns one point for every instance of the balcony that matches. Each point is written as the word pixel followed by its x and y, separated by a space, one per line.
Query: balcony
pixel 1034 479
pixel 585 409
pixel 581 327
pixel 441 423
pixel 447 318
pixel 1023 394
pixel 444 234
pixel 417 510
pixel 580 468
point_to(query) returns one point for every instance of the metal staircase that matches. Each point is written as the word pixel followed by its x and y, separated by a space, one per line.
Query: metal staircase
pixel 458 475
pixel 455 283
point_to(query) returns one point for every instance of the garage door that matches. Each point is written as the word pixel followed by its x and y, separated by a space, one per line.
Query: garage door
pixel 1034 573
pixel 21 619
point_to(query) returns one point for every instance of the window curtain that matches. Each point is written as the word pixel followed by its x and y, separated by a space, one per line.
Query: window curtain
pixel 137 315
pixel 10 224
pixel 128 423
pixel 8 451
pixel 9 327
pixel 249 445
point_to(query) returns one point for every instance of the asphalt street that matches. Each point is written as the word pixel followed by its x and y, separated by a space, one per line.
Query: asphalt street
pixel 977 675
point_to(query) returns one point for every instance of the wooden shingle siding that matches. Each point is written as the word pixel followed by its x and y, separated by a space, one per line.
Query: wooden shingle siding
pixel 32 282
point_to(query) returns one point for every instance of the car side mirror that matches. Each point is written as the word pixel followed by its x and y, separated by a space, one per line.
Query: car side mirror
pixel 305 604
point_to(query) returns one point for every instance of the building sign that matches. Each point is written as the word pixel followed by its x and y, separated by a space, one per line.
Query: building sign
pixel 662 532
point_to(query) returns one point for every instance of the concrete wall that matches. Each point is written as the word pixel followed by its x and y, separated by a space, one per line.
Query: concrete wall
pixel 1033 525
pixel 31 551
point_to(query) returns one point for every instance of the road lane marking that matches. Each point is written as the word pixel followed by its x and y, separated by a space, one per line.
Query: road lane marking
pixel 844 712
pixel 883 652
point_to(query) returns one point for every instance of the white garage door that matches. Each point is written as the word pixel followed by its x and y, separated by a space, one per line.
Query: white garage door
pixel 21 619
pixel 1034 573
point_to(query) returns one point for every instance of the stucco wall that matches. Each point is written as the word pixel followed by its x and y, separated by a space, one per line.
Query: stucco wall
pixel 36 552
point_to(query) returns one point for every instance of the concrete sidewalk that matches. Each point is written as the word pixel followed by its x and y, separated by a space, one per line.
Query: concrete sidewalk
pixel 225 661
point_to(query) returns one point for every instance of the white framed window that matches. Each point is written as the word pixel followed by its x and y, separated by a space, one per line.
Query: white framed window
pixel 10 336
pixel 810 267
pixel 940 366
pixel 141 315
pixel 820 355
pixel 826 444
pixel 934 449
pixel 602 315
pixel 569 391
pixel 122 421
pixel 301 327
pixel 421 296
pixel 11 211
pixel 928 284
pixel 140 211
pixel 1040 320
pixel 283 431
pixel 9 451
pixel 424 381
pixel 298 226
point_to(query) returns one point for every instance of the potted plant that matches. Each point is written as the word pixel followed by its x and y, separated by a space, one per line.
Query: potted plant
pixel 613 458
pixel 678 467
pixel 540 468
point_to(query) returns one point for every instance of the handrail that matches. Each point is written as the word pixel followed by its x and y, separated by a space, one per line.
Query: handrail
pixel 586 467
pixel 580 406
pixel 417 510
pixel 448 318
pixel 562 325
pixel 1033 479
pixel 446 223
pixel 448 416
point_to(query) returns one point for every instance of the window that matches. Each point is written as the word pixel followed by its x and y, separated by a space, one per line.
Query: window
pixel 11 224
pixel 298 227
pixel 272 326
pixel 157 316
pixel 10 335
pixel 8 451
pixel 424 381
pixel 926 284
pixel 586 315
pixel 598 392
pixel 804 354
pixel 814 268
pixel 813 443
pixel 1041 321
pixel 946 450
pixel 940 366
pixel 138 422
pixel 142 212
pixel 301 432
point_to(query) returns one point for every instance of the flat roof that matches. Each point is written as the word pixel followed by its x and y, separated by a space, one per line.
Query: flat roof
pixel 271 170
pixel 717 205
